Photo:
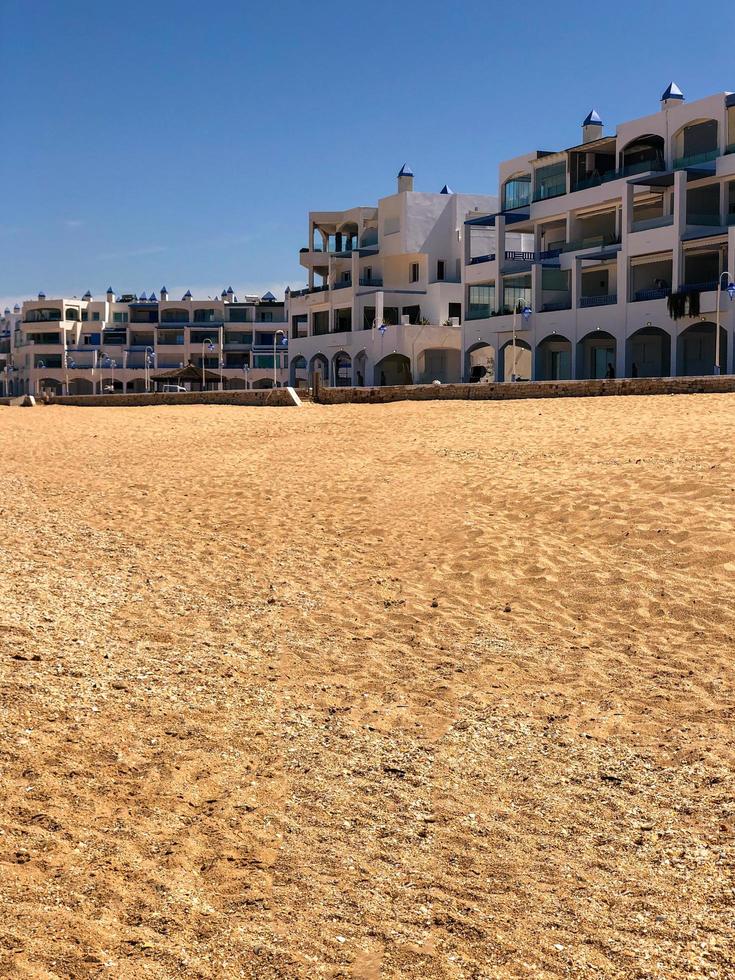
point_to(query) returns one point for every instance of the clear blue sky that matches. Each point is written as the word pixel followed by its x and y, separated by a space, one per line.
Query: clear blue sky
pixel 182 143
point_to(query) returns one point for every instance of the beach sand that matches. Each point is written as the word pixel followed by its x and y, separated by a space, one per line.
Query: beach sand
pixel 420 690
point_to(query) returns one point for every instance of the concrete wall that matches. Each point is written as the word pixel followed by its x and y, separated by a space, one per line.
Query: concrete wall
pixel 537 389
pixel 277 397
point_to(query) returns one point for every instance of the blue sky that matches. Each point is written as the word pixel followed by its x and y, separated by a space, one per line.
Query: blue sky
pixel 182 143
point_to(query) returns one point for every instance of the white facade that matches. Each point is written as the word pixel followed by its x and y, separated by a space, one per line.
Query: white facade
pixel 384 298
pixel 618 224
pixel 86 346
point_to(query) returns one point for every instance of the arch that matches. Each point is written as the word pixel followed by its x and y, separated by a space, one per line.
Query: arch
pixel 359 368
pixel 341 370
pixel 137 386
pixel 393 369
pixel 298 371
pixel 643 153
pixel 71 313
pixel 81 386
pixel 108 383
pixel 438 364
pixel 50 384
pixel 319 365
pixel 648 353
pixel 522 360
pixel 369 237
pixel 695 350
pixel 235 384
pixel 696 142
pixel 596 353
pixel 553 358
pixel 480 360
pixel 263 383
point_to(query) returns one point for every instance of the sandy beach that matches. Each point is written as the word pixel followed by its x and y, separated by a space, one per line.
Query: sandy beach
pixel 421 690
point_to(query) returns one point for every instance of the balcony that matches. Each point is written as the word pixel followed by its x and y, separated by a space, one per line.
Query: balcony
pixel 482 258
pixel 642 295
pixel 695 158
pixel 557 305
pixel 550 190
pixel 699 287
pixel 513 256
pixel 708 220
pixel 597 241
pixel 342 285
pixel 585 302
pixel 370 281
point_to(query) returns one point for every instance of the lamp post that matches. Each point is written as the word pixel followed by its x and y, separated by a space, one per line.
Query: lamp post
pixel 731 293
pixel 210 347
pixel 284 341
pixel 40 364
pixel 525 313
pixel 246 370
pixel 221 357
pixel 148 359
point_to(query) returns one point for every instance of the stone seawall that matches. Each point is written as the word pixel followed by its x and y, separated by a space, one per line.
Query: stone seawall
pixel 274 397
pixel 528 389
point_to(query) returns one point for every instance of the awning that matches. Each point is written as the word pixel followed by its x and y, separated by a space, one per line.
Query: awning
pixel 605 256
pixel 666 179
pixel 488 220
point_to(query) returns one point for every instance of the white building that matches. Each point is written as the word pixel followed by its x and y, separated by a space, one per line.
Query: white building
pixel 84 346
pixel 384 300
pixel 626 230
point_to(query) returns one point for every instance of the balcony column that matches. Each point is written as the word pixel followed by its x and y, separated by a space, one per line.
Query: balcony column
pixel 674 351
pixel 576 284
pixel 626 212
pixel 623 286
pixel 537 290
pixel 729 317
pixel 680 220
pixel 500 241
pixel 379 306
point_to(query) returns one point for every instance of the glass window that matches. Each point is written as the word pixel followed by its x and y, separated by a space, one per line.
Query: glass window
pixel 440 270
pixel 517 192
pixel 516 292
pixel 551 181
pixel 481 301
pixel 96 316
pixel 119 317
pixel 414 276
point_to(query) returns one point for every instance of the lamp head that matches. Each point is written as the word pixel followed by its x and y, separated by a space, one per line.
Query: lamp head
pixel 526 312
pixel 731 289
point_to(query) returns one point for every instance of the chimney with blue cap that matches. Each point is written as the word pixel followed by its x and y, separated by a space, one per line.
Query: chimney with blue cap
pixel 672 96
pixel 405 179
pixel 592 127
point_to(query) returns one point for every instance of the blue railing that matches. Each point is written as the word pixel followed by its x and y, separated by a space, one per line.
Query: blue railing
pixel 482 258
pixel 514 256
pixel 645 294
pixel 699 287
pixel 342 285
pixel 646 224
pixel 609 300
pixel 371 282
pixel 556 307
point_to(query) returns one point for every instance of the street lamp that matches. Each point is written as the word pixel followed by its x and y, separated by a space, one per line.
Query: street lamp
pixel 283 342
pixel 731 293
pixel 525 312
pixel 210 347
pixel 147 361
pixel 40 365
pixel 246 370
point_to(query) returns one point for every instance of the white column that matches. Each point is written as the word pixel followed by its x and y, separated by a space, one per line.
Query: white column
pixel 680 219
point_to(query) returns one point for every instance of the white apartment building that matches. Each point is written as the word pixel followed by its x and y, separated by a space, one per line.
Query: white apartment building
pixel 384 301
pixel 120 343
pixel 631 234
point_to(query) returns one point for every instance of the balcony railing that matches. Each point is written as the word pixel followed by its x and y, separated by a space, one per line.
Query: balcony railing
pixel 342 285
pixel 646 224
pixel 482 258
pixel 370 281
pixel 699 287
pixel 556 306
pixel 709 220
pixel 645 294
pixel 694 158
pixel 597 241
pixel 514 256
pixel 587 301
pixel 549 191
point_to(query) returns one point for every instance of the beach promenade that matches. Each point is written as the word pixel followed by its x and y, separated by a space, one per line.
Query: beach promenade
pixel 414 690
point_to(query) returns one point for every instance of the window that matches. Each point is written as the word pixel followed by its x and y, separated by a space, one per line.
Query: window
pixel 455 310
pixel 440 270
pixel 320 323
pixel 203 316
pixel 238 314
pixel 481 302
pixel 414 274
pixel 368 272
pixel 551 181
pixel 517 192
pixel 85 316
pixel 265 317
pixel 119 317
pixel 96 316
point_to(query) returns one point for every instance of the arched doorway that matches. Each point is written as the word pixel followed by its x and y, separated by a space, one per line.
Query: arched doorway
pixel 359 369
pixel 596 354
pixel 395 369
pixel 438 364
pixel 319 365
pixel 298 371
pixel 81 386
pixel 109 387
pixel 648 353
pixel 50 384
pixel 642 154
pixel 695 352
pixel 341 370
pixel 479 362
pixel 554 358
pixel 137 386
pixel 521 362
pixel 262 383
pixel 235 384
